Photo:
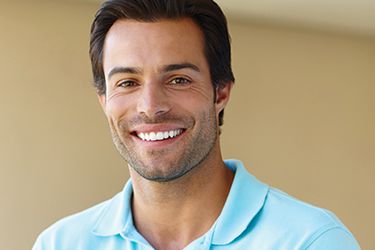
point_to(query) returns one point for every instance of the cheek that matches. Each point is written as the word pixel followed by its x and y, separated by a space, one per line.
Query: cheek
pixel 202 99
pixel 204 92
pixel 197 105
pixel 199 95
pixel 117 106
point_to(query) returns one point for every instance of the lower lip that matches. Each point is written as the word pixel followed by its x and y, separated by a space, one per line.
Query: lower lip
pixel 159 143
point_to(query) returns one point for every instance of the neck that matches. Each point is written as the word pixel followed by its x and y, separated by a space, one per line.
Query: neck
pixel 170 215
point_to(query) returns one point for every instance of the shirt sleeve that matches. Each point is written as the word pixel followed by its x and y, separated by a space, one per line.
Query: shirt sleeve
pixel 42 243
pixel 334 239
pixel 37 245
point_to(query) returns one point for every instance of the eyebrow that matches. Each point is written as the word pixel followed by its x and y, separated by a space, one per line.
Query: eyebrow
pixel 165 69
pixel 129 70
pixel 173 67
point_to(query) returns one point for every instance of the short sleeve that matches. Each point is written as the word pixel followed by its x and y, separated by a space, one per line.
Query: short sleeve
pixel 43 242
pixel 334 239
pixel 38 244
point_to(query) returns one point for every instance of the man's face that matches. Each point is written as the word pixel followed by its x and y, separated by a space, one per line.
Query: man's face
pixel 159 100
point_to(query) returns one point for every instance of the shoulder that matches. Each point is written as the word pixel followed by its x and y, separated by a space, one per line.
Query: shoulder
pixel 309 226
pixel 71 229
pixel 263 217
pixel 297 212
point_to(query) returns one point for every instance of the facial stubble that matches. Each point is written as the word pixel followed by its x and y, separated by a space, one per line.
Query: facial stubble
pixel 199 141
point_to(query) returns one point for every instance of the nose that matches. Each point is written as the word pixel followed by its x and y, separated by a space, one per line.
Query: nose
pixel 153 100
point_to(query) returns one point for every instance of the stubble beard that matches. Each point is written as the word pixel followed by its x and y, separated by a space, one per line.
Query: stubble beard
pixel 198 147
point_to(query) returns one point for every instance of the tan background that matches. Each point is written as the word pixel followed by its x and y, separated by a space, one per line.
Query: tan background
pixel 301 118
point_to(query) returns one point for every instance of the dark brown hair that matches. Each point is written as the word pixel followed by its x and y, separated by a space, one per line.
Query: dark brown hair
pixel 205 13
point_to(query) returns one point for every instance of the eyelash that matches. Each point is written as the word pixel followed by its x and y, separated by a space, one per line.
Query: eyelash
pixel 127 83
pixel 174 81
pixel 182 81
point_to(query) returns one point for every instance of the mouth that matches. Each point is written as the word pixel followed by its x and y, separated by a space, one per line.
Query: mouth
pixel 158 135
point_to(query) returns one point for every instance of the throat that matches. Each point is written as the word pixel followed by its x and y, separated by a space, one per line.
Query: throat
pixel 181 211
pixel 175 227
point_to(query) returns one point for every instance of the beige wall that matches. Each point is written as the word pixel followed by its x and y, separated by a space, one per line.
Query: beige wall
pixel 301 117
pixel 304 106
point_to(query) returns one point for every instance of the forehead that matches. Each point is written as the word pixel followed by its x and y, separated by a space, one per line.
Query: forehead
pixel 145 43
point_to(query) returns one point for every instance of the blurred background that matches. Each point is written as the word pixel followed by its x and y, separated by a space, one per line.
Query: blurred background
pixel 301 116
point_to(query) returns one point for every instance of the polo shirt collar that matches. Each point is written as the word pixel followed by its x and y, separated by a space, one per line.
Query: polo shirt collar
pixel 116 217
pixel 246 198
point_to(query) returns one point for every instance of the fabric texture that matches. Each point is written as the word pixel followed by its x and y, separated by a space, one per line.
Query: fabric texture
pixel 255 216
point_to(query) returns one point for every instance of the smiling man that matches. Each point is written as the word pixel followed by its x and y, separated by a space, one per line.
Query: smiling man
pixel 163 76
pixel 159 99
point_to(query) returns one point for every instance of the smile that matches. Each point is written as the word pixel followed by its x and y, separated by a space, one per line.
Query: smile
pixel 159 136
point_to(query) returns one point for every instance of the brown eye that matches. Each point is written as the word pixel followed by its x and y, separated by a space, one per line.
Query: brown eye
pixel 179 80
pixel 127 84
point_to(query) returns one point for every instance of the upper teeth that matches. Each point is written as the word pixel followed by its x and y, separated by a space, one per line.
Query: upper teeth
pixel 157 136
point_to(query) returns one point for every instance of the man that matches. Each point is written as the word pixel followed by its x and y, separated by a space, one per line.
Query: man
pixel 163 76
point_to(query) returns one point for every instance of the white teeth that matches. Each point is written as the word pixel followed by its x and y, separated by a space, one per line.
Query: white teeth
pixel 158 136
pixel 152 136
pixel 166 134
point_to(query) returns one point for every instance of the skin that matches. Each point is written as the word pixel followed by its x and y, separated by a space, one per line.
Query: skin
pixel 158 79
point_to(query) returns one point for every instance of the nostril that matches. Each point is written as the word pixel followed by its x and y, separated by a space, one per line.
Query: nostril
pixel 160 112
pixel 154 110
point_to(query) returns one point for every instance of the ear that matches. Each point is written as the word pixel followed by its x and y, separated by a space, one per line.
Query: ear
pixel 222 96
pixel 102 101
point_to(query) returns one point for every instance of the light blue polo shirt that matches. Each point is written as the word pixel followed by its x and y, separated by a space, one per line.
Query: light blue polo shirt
pixel 254 216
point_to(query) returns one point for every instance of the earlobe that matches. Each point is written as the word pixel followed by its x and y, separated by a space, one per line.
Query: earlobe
pixel 222 96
